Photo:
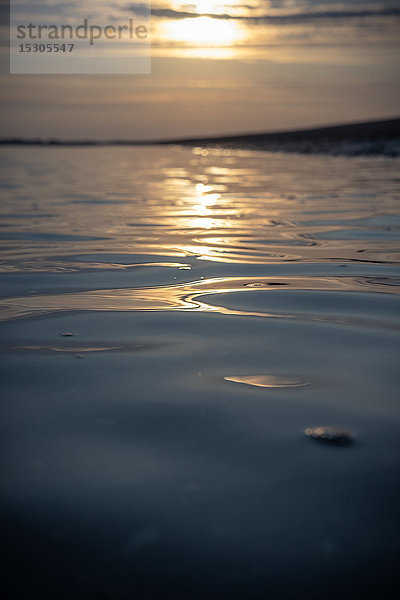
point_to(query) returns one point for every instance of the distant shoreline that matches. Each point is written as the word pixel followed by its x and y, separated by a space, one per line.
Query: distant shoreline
pixel 371 137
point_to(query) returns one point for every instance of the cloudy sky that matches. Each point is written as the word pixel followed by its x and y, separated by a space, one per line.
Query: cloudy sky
pixel 219 67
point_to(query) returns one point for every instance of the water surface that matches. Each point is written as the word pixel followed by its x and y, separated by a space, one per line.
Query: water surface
pixel 172 320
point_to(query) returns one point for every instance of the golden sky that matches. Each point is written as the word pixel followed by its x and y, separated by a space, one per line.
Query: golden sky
pixel 223 67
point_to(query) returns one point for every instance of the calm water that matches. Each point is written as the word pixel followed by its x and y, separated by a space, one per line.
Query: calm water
pixel 171 322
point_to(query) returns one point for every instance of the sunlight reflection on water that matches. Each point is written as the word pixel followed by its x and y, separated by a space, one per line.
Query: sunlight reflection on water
pixel 242 208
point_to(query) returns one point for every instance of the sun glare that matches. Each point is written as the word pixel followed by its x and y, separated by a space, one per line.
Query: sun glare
pixel 203 31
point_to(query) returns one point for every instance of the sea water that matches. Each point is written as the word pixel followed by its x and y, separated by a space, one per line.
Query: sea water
pixel 172 322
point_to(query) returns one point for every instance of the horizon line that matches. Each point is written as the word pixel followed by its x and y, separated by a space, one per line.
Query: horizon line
pixel 355 131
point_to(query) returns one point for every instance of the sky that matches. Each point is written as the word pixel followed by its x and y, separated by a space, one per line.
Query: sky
pixel 218 68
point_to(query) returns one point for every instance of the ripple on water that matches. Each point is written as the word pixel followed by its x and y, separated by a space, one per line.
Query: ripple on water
pixel 304 297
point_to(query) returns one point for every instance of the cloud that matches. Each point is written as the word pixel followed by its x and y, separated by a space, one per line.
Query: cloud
pixel 305 17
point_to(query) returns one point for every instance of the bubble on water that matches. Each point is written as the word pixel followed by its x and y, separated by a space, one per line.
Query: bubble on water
pixel 330 435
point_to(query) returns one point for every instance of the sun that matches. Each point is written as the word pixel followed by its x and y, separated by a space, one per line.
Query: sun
pixel 203 31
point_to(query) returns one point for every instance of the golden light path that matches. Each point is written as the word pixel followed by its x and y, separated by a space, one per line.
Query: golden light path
pixel 203 201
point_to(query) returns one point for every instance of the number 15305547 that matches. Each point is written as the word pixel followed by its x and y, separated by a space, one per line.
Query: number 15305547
pixel 35 48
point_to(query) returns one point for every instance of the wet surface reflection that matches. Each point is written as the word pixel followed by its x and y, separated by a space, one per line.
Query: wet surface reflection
pixel 268 381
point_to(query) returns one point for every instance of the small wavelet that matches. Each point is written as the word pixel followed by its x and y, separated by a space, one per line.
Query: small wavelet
pixel 78 350
pixel 268 381
pixel 309 298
